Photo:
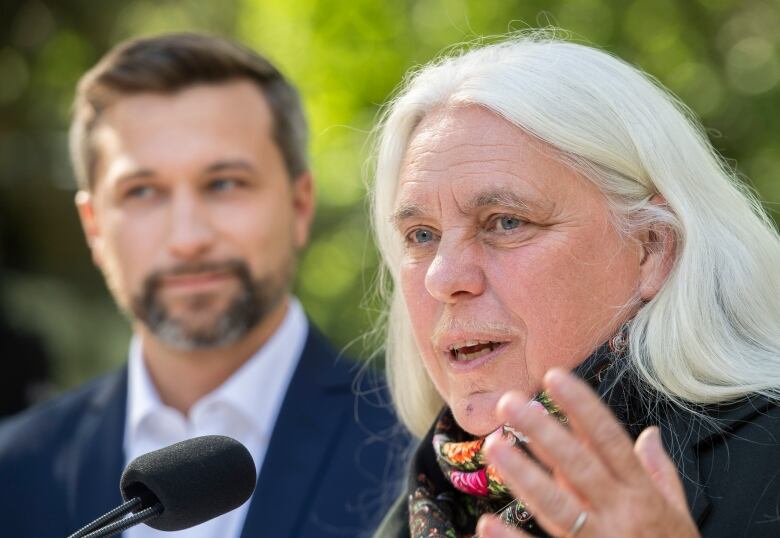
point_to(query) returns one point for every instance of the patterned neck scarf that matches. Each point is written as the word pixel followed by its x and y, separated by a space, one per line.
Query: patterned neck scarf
pixel 452 484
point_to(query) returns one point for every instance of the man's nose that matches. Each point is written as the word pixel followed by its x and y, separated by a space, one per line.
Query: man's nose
pixel 191 233
pixel 455 272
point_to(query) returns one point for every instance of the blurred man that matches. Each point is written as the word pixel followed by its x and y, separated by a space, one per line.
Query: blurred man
pixel 195 198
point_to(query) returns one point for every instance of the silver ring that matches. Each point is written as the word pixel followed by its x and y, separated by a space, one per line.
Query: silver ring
pixel 578 523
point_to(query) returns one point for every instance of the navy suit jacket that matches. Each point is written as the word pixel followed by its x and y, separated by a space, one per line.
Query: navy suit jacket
pixel 330 470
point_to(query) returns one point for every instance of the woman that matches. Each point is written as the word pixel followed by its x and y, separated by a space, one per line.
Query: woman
pixel 576 281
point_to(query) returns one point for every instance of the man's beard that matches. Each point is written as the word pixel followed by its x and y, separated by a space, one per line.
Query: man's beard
pixel 252 303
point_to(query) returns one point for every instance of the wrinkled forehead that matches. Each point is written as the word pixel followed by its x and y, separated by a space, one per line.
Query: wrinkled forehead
pixel 451 128
pixel 477 156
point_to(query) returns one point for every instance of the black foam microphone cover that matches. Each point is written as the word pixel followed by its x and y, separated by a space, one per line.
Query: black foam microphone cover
pixel 194 480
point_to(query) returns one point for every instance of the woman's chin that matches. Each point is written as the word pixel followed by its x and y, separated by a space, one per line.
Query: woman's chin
pixel 476 413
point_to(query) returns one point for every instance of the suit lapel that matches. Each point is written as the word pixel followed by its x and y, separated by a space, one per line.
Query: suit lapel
pixel 313 412
pixel 97 456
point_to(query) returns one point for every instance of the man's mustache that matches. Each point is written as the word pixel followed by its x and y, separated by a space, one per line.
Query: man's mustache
pixel 237 267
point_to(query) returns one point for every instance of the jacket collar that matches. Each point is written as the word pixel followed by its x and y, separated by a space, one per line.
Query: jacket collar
pixel 314 404
pixel 684 433
pixel 93 482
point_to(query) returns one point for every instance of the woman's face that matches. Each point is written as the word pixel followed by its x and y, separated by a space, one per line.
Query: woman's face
pixel 511 264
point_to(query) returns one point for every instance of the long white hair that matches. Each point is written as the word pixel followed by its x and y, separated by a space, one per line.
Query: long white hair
pixel 712 333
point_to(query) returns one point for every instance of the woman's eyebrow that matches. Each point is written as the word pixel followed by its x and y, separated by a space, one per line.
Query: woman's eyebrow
pixel 406 211
pixel 499 197
pixel 488 198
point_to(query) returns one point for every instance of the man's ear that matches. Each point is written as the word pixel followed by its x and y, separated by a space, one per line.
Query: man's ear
pixel 303 200
pixel 89 224
pixel 659 248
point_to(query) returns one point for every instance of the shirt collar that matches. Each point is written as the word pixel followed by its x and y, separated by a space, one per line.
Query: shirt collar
pixel 255 390
pixel 142 397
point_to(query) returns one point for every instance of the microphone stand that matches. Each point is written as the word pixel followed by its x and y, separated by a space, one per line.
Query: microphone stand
pixel 113 522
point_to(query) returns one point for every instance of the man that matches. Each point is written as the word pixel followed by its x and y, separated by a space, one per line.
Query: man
pixel 195 198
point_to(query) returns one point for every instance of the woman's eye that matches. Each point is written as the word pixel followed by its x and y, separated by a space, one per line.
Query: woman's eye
pixel 421 236
pixel 508 222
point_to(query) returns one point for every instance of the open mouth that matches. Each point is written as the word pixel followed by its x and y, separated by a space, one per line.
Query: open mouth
pixel 473 349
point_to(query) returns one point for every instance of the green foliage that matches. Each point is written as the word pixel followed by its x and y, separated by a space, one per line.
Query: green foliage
pixel 346 56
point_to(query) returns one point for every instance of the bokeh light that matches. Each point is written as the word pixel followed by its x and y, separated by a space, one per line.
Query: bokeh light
pixel 721 57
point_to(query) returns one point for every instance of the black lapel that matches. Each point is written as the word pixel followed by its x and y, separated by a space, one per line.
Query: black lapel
pixel 315 409
pixel 97 457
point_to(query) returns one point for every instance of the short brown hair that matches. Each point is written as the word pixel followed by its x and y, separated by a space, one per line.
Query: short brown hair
pixel 169 63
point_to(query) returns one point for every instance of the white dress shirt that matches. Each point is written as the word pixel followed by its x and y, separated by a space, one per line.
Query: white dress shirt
pixel 244 407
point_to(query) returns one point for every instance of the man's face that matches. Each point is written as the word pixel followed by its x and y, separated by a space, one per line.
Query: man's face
pixel 193 218
pixel 511 263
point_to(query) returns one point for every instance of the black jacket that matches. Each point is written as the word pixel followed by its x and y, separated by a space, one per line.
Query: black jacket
pixel 729 464
pixel 325 473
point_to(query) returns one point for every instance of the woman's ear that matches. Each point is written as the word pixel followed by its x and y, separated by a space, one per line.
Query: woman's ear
pixel 659 248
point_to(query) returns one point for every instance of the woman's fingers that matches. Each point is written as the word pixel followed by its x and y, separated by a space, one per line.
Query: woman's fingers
pixel 595 424
pixel 557 448
pixel 490 526
pixel 660 467
pixel 602 483
pixel 553 506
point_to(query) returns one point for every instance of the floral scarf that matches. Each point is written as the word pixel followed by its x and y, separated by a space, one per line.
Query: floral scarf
pixel 451 483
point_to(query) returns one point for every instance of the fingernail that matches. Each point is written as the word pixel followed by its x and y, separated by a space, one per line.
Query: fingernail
pixel 556 379
pixel 498 434
pixel 537 407
pixel 655 444
pixel 512 407
pixel 486 526
pixel 517 409
pixel 496 448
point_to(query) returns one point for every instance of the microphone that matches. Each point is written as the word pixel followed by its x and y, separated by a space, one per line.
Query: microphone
pixel 180 486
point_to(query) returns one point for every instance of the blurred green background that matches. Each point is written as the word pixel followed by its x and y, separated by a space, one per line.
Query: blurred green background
pixel 722 57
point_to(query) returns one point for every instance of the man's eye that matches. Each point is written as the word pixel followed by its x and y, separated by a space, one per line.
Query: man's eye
pixel 507 222
pixel 421 235
pixel 140 192
pixel 223 184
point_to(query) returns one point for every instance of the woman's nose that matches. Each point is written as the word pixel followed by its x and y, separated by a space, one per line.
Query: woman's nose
pixel 455 272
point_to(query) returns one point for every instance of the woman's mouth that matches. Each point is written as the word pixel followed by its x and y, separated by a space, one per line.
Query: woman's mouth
pixel 468 353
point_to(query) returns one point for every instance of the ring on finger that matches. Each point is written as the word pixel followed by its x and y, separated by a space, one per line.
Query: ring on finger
pixel 578 523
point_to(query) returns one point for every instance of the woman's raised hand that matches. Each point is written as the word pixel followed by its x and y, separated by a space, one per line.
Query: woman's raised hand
pixel 590 480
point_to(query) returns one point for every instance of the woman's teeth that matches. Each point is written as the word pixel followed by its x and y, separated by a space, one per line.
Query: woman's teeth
pixel 472 350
